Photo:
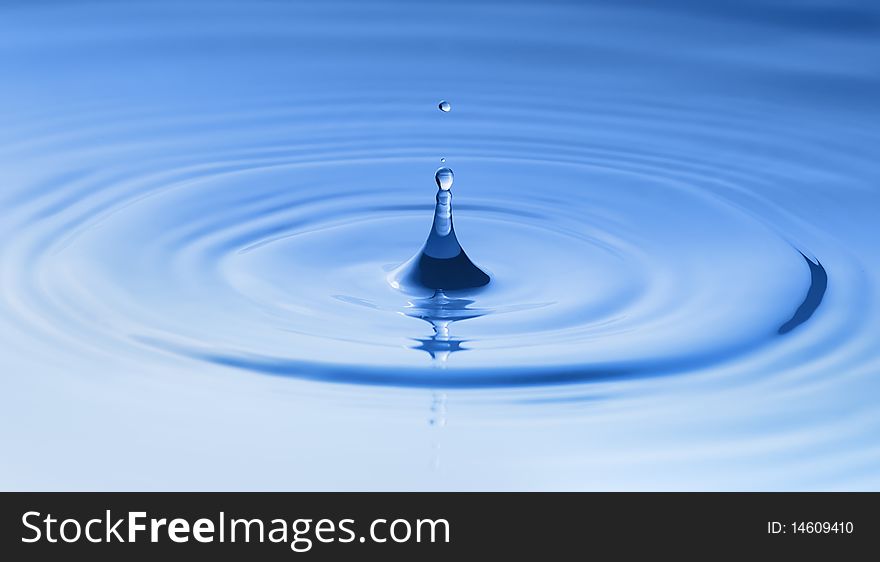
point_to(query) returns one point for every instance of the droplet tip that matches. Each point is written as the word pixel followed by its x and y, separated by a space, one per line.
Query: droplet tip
pixel 444 178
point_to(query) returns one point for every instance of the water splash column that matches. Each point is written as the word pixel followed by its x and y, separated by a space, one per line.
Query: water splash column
pixel 442 263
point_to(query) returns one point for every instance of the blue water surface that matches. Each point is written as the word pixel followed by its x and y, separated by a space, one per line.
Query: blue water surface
pixel 212 212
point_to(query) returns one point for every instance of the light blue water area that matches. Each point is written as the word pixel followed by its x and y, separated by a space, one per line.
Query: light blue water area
pixel 225 262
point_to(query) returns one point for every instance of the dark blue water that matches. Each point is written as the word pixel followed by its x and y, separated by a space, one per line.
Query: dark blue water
pixel 219 237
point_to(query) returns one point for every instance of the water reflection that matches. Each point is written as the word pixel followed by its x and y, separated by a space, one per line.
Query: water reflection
pixel 440 311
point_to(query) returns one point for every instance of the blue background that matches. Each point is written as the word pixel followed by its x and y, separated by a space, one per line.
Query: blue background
pixel 202 202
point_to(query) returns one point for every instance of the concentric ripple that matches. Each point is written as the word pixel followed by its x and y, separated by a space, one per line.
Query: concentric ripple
pixel 273 258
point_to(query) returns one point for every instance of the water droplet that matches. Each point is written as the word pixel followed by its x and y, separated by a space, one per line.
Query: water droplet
pixel 442 160
pixel 444 106
pixel 444 178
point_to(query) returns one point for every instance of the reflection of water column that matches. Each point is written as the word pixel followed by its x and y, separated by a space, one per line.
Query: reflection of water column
pixel 438 421
pixel 441 336
pixel 440 312
pixel 440 344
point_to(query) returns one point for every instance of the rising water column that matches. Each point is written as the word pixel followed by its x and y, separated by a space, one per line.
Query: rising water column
pixel 441 264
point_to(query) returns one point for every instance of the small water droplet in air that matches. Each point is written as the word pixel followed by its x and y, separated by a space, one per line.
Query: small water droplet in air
pixel 442 160
pixel 444 106
pixel 444 178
